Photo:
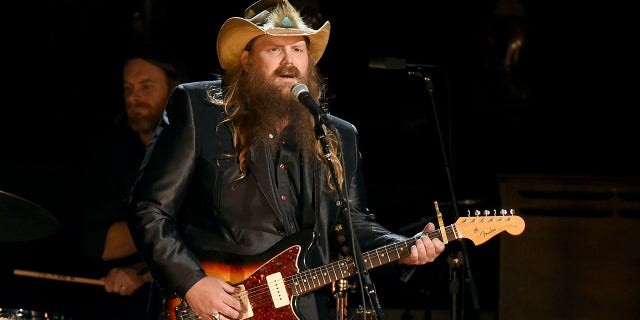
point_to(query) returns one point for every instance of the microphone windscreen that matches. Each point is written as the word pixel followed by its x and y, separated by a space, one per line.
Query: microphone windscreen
pixel 299 88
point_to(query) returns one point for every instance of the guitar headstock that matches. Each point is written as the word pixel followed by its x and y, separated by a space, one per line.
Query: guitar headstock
pixel 481 227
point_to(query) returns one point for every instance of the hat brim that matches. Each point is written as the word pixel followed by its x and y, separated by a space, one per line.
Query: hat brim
pixel 236 33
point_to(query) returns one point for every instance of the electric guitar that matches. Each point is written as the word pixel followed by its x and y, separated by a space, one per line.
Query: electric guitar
pixel 269 282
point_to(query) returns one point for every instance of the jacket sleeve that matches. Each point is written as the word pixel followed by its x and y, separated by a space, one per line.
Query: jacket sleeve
pixel 158 194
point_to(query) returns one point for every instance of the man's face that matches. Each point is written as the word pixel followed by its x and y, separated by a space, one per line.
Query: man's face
pixel 281 60
pixel 145 94
pixel 272 67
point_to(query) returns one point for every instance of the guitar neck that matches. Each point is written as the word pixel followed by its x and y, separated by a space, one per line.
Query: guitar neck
pixel 312 279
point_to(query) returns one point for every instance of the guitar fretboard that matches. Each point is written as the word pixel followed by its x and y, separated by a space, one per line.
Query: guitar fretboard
pixel 310 280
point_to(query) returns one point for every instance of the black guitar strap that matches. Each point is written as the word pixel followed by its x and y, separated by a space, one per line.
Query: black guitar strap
pixel 341 239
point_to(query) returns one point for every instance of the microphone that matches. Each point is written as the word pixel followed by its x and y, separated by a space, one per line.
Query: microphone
pixel 301 92
pixel 389 63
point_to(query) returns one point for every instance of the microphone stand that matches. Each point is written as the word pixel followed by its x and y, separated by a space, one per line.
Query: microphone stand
pixel 363 275
pixel 428 83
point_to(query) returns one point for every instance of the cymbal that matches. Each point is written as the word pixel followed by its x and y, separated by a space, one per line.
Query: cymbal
pixel 23 220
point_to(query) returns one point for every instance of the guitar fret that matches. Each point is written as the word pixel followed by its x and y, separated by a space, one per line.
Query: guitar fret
pixel 318 276
pixel 395 252
pixel 295 288
pixel 372 258
pixel 452 232
pixel 367 260
pixel 328 270
pixel 312 279
pixel 345 273
pixel 299 281
pixel 398 252
pixel 335 276
pixel 318 281
pixel 323 273
pixel 387 256
pixel 304 282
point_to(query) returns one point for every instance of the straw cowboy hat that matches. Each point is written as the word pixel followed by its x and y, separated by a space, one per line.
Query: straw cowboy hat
pixel 282 20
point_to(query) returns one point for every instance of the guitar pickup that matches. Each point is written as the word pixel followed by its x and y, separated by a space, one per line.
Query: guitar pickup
pixel 278 290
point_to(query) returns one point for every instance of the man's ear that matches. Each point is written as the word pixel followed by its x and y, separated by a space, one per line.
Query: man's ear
pixel 244 59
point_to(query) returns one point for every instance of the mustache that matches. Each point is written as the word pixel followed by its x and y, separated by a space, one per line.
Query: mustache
pixel 138 105
pixel 287 70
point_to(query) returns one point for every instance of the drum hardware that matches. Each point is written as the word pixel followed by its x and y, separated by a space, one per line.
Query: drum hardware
pixel 24 314
pixel 23 220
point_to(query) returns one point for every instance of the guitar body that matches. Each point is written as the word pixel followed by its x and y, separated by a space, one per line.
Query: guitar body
pixel 251 274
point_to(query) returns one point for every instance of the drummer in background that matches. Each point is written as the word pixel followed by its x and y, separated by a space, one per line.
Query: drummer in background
pixel 149 75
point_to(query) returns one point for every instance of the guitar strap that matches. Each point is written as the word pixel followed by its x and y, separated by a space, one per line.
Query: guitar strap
pixel 341 239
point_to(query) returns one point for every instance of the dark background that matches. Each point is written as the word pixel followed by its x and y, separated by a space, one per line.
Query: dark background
pixel 555 107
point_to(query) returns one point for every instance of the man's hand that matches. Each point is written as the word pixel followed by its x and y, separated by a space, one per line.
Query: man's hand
pixel 425 250
pixel 125 281
pixel 211 296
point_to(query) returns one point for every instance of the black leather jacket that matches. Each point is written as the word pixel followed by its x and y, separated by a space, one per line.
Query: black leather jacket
pixel 184 181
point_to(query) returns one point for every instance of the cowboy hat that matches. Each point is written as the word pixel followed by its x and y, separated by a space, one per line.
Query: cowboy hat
pixel 284 20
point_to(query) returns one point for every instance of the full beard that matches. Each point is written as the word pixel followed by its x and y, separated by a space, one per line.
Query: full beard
pixel 141 119
pixel 269 108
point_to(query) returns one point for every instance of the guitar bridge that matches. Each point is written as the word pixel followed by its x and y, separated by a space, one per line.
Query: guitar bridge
pixel 243 296
pixel 184 312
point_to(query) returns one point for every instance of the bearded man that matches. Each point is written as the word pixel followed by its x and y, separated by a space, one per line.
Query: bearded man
pixel 238 193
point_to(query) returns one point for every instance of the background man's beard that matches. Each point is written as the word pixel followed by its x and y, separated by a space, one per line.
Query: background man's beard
pixel 267 106
pixel 142 122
